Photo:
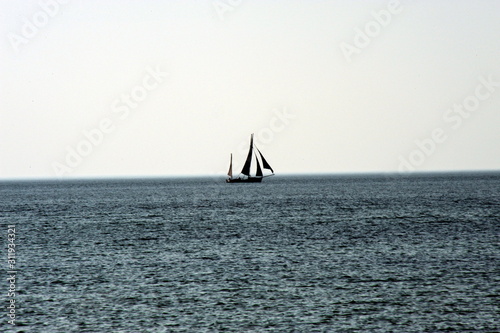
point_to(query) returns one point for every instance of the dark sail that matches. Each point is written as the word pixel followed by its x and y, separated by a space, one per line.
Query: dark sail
pixel 264 162
pixel 246 167
pixel 259 170
pixel 230 172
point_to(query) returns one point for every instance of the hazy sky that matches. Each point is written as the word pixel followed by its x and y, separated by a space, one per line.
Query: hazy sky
pixel 156 88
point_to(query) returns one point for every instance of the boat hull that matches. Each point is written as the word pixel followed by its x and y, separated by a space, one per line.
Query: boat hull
pixel 244 180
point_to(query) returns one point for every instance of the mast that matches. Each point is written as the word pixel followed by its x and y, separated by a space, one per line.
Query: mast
pixel 230 172
pixel 248 162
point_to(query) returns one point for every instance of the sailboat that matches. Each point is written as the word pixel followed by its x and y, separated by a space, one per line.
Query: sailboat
pixel 247 178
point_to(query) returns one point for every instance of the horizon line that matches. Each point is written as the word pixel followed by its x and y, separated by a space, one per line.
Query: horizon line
pixel 287 174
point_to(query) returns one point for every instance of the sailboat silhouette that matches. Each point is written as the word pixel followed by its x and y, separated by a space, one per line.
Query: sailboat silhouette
pixel 247 177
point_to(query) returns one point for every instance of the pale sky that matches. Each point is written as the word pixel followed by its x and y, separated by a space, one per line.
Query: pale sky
pixel 160 88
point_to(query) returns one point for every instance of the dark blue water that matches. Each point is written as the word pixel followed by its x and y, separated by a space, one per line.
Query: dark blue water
pixel 292 254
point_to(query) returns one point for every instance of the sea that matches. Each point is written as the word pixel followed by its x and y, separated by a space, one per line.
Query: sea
pixel 318 253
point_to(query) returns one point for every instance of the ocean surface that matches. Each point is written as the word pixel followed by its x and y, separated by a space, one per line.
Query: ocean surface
pixel 418 253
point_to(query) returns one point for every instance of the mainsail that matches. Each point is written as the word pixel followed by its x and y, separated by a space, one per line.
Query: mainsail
pixel 248 162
